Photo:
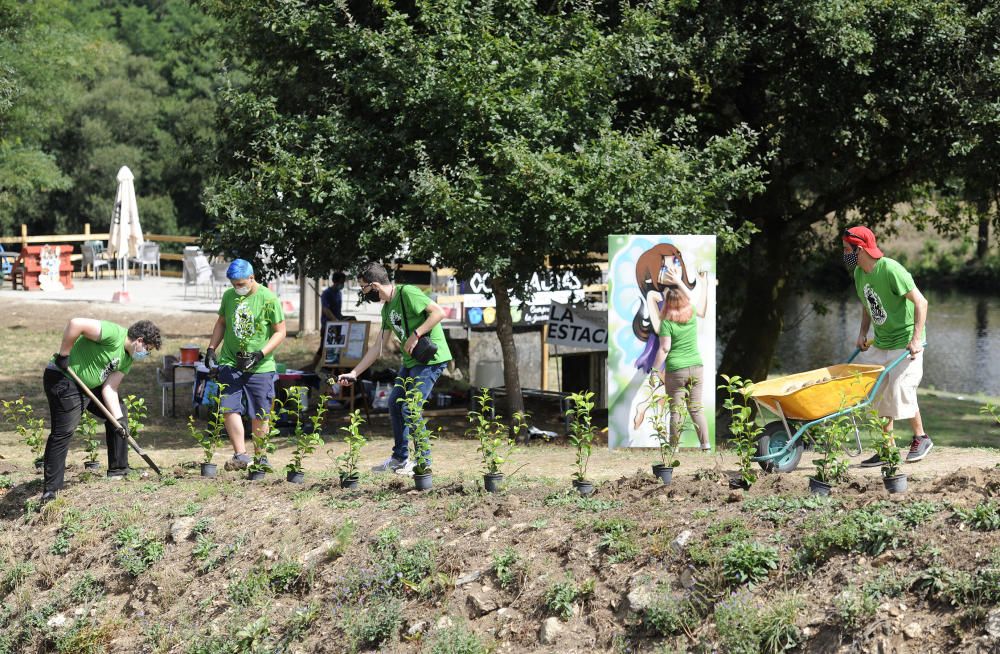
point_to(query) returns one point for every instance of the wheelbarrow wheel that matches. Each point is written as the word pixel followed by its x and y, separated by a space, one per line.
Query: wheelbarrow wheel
pixel 773 440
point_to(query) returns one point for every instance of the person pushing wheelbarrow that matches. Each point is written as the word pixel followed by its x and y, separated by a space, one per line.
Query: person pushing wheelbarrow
pixel 895 307
pixel 93 359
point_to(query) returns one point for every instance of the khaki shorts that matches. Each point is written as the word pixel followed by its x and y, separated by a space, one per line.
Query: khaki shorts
pixel 897 398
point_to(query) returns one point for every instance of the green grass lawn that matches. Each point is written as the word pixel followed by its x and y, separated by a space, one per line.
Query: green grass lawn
pixel 956 422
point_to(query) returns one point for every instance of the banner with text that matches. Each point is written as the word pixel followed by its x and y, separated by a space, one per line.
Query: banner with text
pixel 576 327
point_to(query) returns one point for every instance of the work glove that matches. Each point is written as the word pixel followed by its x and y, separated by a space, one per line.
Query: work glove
pixel 210 360
pixel 251 362
pixel 62 361
pixel 122 430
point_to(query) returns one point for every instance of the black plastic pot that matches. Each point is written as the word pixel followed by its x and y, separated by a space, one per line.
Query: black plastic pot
pixel 817 487
pixel 209 470
pixel 492 481
pixel 349 482
pixel 295 477
pixel 91 465
pixel 739 482
pixel 585 488
pixel 242 359
pixel 256 475
pixel 663 472
pixel 895 483
pixel 422 482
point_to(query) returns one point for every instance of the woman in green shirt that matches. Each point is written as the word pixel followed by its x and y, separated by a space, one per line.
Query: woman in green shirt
pixel 678 362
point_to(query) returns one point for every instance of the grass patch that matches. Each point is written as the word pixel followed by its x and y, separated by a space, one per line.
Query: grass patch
pixel 617 539
pixel 137 551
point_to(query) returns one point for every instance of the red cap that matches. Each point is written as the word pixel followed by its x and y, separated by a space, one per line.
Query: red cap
pixel 865 238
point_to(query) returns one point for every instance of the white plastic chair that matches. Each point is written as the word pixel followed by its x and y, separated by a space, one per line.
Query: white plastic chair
pixel 150 256
pixel 197 270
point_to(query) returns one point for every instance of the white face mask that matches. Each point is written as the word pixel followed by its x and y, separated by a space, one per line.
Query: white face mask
pixel 241 290
pixel 139 355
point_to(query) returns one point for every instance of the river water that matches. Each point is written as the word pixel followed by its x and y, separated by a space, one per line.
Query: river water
pixel 963 338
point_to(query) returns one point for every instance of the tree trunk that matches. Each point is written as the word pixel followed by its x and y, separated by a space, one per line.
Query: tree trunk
pixel 983 238
pixel 505 332
pixel 751 347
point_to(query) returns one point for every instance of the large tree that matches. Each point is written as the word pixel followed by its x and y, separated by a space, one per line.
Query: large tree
pixel 854 101
pixel 488 137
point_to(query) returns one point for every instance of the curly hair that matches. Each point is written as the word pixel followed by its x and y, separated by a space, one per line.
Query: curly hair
pixel 148 332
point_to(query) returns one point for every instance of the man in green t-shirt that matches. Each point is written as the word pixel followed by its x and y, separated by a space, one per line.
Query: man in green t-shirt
pixel 250 327
pixel 410 315
pixel 101 353
pixel 895 307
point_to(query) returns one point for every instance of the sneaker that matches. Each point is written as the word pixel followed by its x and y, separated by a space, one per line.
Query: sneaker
pixel 919 448
pixel 389 465
pixel 406 469
pixel 238 462
pixel 873 462
pixel 47 497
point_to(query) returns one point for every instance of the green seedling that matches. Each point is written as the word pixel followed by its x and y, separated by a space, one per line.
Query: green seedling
pixel 581 431
pixel 347 463
pixel 88 430
pixel 742 425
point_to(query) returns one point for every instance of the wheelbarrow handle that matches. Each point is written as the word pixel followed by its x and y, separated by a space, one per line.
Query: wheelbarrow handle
pixel 892 365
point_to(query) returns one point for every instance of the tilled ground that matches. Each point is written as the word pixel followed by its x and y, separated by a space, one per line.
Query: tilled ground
pixel 184 564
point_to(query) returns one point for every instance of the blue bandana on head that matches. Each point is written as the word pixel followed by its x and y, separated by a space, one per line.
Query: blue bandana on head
pixel 239 269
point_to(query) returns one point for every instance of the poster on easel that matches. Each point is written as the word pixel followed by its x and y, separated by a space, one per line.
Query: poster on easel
pixel 48 276
pixel 345 343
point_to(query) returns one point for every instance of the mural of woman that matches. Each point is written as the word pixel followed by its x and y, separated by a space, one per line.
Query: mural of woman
pixel 666 323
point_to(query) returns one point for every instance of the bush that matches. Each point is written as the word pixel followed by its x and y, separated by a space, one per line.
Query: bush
pixel 749 562
pixel 669 615
pixel 377 623
pixel 457 640
pixel 506 566
pixel 137 551
pixel 745 628
pixel 561 596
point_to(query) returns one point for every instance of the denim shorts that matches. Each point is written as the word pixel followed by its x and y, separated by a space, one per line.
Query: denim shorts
pixel 247 393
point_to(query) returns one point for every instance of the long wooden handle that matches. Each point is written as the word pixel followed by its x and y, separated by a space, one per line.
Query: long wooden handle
pixel 131 441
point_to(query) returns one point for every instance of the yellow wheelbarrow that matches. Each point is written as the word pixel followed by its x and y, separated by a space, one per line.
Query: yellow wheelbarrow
pixel 805 399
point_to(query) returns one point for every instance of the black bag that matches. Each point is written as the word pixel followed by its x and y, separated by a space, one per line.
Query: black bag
pixel 425 349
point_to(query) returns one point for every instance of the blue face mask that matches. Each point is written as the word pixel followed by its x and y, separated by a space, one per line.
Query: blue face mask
pixel 139 355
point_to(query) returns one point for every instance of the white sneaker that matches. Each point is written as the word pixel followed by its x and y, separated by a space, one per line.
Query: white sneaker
pixel 406 469
pixel 389 465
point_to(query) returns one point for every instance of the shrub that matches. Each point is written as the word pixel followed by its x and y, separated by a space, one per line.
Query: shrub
pixel 457 640
pixel 137 551
pixel 507 567
pixel 496 443
pixel 617 539
pixel 287 576
pixel 855 608
pixel 378 623
pixel 581 430
pixel 88 430
pixel 305 442
pixel 347 463
pixel 749 562
pixel 561 596
pixel 249 591
pixel 746 628
pixel 211 437
pixel 741 423
pixel 669 615
pixel 420 435
pixel 985 516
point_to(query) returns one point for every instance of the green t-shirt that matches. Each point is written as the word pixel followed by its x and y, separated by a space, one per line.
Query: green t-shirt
pixel 683 343
pixel 415 302
pixel 250 322
pixel 882 292
pixel 94 361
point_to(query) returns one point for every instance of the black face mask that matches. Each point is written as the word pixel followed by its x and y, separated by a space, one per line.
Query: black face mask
pixel 851 260
pixel 370 296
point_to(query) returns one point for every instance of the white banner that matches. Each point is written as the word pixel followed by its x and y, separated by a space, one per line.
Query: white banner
pixel 580 328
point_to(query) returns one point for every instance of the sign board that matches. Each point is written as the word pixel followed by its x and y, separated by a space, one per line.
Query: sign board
pixel 345 343
pixel 480 312
pixel 576 327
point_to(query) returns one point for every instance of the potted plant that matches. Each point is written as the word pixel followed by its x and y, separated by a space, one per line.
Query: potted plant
pixel 88 430
pixel 832 467
pixel 659 420
pixel 420 435
pixel 887 451
pixel 31 429
pixel 496 442
pixel 347 463
pixel 305 442
pixel 246 326
pixel 262 446
pixel 581 436
pixel 211 437
pixel 743 428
